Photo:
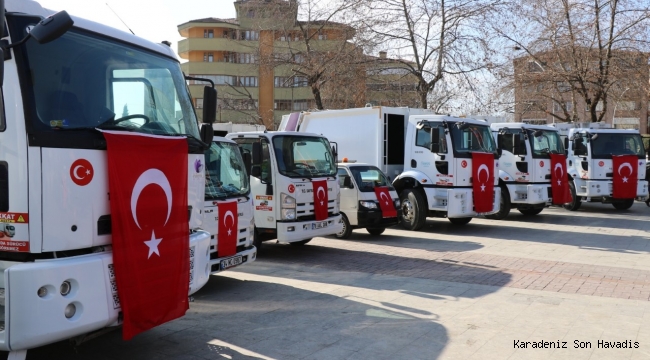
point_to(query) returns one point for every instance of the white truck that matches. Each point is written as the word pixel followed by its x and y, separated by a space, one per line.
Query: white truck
pixel 592 152
pixel 368 199
pixel 226 180
pixel 295 190
pixel 59 84
pixel 525 166
pixel 429 157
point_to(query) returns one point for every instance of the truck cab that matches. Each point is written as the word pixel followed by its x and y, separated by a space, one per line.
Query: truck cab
pixel 525 166
pixel 360 203
pixel 291 172
pixel 226 180
pixel 591 167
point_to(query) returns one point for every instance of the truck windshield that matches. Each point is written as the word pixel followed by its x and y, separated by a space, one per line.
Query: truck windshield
pixel 605 145
pixel 225 174
pixel 83 81
pixel 546 142
pixel 304 156
pixel 471 138
pixel 368 177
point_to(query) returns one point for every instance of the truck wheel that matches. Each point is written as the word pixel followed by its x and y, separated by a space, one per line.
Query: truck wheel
pixel 300 243
pixel 504 205
pixel 414 209
pixel 347 230
pixel 257 240
pixel 575 199
pixel 530 211
pixel 375 231
pixel 623 205
pixel 460 221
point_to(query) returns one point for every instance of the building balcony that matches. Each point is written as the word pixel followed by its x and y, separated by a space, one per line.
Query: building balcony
pixel 219 68
pixel 215 44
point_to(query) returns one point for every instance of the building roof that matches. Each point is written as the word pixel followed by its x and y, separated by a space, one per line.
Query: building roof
pixel 212 20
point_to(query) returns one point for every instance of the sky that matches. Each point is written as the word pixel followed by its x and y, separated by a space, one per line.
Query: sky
pixel 154 20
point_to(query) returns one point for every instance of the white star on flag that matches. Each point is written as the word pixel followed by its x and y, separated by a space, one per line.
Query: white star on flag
pixel 321 203
pixel 624 179
pixel 153 244
pixel 386 202
pixel 87 172
pixel 559 182
pixel 229 232
pixel 483 187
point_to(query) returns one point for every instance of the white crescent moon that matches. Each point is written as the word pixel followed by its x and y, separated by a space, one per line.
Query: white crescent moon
pixel 558 165
pixel 74 172
pixel 383 195
pixel 319 190
pixel 481 168
pixel 625 165
pixel 151 176
pixel 225 217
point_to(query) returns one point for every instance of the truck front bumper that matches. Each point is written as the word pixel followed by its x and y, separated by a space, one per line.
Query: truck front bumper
pixel 458 202
pixel 593 188
pixel 531 194
pixel 374 219
pixel 303 230
pixel 246 256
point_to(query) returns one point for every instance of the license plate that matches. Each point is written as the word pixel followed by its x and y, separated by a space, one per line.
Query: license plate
pixel 233 261
pixel 319 225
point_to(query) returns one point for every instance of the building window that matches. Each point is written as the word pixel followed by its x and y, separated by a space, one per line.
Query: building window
pixel 198 103
pixel 290 81
pixel 208 33
pixel 249 35
pixel 557 107
pixel 322 35
pixel 208 57
pixel 250 81
pixel 300 105
pixel 282 105
pixel 250 14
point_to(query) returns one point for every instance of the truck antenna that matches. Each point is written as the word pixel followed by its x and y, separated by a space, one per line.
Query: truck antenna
pixel 127 26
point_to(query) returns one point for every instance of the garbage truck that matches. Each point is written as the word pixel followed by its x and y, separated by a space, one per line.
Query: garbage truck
pixel 441 166
pixel 100 181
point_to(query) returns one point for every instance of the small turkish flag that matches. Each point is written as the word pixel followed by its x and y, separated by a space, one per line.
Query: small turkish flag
pixel 559 180
pixel 385 202
pixel 320 199
pixel 625 176
pixel 147 178
pixel 228 229
pixel 483 181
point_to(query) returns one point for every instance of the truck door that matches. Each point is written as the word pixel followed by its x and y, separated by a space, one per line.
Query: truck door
pixel 349 195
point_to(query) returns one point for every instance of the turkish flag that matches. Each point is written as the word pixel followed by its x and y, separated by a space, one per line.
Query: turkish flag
pixel 147 178
pixel 625 176
pixel 385 202
pixel 483 181
pixel 320 199
pixel 559 180
pixel 228 229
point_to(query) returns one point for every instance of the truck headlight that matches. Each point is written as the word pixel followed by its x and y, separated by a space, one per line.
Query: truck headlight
pixel 287 201
pixel 368 204
pixel 288 214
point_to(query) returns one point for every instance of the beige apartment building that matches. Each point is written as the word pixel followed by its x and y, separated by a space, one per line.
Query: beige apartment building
pixel 239 55
pixel 543 95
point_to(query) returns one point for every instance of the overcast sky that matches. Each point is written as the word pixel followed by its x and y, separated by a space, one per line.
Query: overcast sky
pixel 154 20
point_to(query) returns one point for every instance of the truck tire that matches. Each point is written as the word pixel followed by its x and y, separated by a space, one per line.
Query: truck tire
pixel 347 230
pixel 414 209
pixel 257 240
pixel 504 205
pixel 375 231
pixel 460 221
pixel 300 243
pixel 530 211
pixel 623 205
pixel 575 199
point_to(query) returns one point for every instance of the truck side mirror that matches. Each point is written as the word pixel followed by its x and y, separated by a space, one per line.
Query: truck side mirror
pixel 52 27
pixel 209 105
pixel 347 182
pixel 434 140
pixel 207 133
pixel 257 153
pixel 520 144
pixel 256 171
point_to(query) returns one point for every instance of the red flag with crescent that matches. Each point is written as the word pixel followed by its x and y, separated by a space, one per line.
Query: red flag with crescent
pixel 559 180
pixel 385 202
pixel 483 181
pixel 320 199
pixel 228 229
pixel 147 178
pixel 625 176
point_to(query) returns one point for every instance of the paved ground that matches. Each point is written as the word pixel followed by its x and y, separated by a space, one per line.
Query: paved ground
pixel 476 292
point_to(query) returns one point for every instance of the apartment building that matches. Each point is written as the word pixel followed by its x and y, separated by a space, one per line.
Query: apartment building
pixel 250 59
pixel 545 89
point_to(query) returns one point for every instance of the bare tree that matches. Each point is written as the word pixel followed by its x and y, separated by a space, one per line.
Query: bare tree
pixel 435 39
pixel 579 54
